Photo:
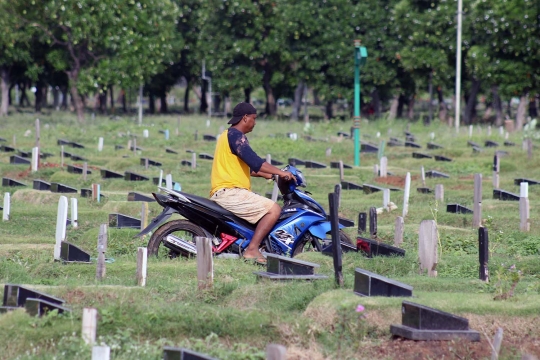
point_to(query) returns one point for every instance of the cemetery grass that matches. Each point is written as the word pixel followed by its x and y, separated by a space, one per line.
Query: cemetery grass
pixel 239 316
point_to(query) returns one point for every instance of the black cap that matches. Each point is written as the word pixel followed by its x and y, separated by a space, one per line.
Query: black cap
pixel 240 110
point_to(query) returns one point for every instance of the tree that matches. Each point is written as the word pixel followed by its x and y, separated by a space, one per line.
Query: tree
pixel 98 42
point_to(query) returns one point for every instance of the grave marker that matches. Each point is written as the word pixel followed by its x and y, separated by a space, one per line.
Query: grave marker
pixel 439 192
pixel 276 352
pixel 377 248
pixel 167 134
pixel 483 253
pixel 89 325
pixel 96 192
pixel 436 174
pixel 427 247
pixel 373 222
pixel 362 221
pixel 11 183
pixel 120 221
pixel 418 155
pixel 496 167
pixel 100 144
pixel 398 231
pixel 193 160
pixel 142 257
pixel 72 253
pixel 168 181
pixel 336 250
pixel 101 352
pixel 407 193
pixel 497 341
pixel 61 220
pixel 7 205
pixel 383 167
pixel 285 268
pixel 172 353
pixel 101 248
pixel 85 170
pixel 386 199
pixel 41 185
pixel 341 172
pixel 205 265
pixel 61 188
pixel 367 283
pixel 74 217
pixel 35 159
pixel 376 170
pixel 524 209
pixel 477 206
pixel 18 160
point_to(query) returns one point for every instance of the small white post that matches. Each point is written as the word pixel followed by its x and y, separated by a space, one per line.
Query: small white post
pixel 35 158
pixel 524 209
pixel 134 146
pixel 439 193
pixel 496 167
pixel 489 130
pixel 145 133
pixel 398 231
pixel 160 178
pixel 74 217
pixel 62 156
pixel 38 142
pixel 423 176
pixel 497 341
pixel 406 194
pixel 61 220
pixel 142 256
pixel 100 144
pixel 477 207
pixel 101 352
pixel 101 248
pixel 386 199
pixel 7 205
pixel 144 214
pixel 470 130
pixel 193 160
pixel 89 325
pixel 384 164
pixel 129 145
pixel 276 352
pixel 166 134
pixel 269 158
pixel 376 170
pixel 341 171
pixel 205 264
pixel 168 181
pixel 427 247
pixel 84 170
pixel 432 135
pixel 501 131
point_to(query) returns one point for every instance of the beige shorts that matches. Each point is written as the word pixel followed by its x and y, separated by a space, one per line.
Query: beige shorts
pixel 243 203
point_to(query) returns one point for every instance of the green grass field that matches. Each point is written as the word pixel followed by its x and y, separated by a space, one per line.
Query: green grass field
pixel 239 316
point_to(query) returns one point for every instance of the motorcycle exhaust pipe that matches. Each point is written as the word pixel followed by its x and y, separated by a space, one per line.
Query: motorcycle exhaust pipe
pixel 179 245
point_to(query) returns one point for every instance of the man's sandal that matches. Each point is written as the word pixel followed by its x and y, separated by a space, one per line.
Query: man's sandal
pixel 258 260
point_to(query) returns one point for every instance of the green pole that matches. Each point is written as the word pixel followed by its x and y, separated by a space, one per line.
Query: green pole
pixel 356 121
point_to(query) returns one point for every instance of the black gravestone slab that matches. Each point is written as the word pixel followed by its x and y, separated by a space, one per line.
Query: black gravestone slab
pixel 410 138
pixel 161 131
pixel 171 151
pixel 134 196
pixel 418 155
pixel 77 158
pixel 335 165
pixel 441 158
pixel 41 185
pixel 150 162
pixel 505 195
pixel 73 169
pixel 269 196
pixel 285 268
pixel 45 155
pixel 476 149
pixel 7 182
pixel 368 148
pixel 370 189
pixel 6 148
pixel 131 176
pixel 367 283
pixel 433 146
pixel 138 148
pixel 436 174
pixel 76 145
pixel 16 295
pixel 206 156
pixel 118 147
pixel 108 174
pixel 420 322
pixel 2 139
pixel 72 253
pixel 40 307
pixel 529 181
pixel 185 163
pixel 490 143
pixel 344 134
pixel 346 185
pixel 345 247
pixel 66 154
pixel 5 309
pixel 120 221
pixel 155 180
pixel 207 137
pixel 458 209
pixel 473 144
pixel 63 142
pixel 61 188
pixel 376 248
pixel 86 193
pixel 17 160
pixel 412 145
pixel 189 151
pixel 275 162
pixel 296 162
pixel 314 165
pixel 423 190
pixel 172 353
pixel 25 154
pixel 362 221
pixel 509 143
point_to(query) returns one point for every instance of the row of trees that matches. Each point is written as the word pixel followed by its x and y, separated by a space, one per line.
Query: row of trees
pixel 86 47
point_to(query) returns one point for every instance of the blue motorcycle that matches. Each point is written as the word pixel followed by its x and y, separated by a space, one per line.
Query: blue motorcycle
pixel 302 226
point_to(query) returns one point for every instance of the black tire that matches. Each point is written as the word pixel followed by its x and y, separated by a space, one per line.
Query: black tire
pixel 311 243
pixel 181 228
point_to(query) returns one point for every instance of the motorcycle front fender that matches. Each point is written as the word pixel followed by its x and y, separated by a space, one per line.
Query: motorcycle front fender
pixel 165 214
pixel 321 229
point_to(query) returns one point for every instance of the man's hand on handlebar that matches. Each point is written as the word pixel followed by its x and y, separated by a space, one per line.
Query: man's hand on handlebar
pixel 287 175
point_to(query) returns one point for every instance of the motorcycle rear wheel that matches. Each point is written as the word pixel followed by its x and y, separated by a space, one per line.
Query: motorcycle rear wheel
pixel 308 243
pixel 183 229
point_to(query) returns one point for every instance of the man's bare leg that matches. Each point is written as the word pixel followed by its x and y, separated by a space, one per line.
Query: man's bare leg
pixel 264 226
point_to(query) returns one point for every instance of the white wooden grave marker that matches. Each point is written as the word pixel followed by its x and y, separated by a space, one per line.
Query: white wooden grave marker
pixel 89 325
pixel 205 264
pixel 74 216
pixel 427 247
pixel 100 144
pixel 524 209
pixel 439 193
pixel 477 206
pixel 406 194
pixel 35 159
pixel 7 207
pixel 398 231
pixel 142 256
pixel 61 220
pixel 193 160
pixel 101 248
pixel 101 352
pixel 383 167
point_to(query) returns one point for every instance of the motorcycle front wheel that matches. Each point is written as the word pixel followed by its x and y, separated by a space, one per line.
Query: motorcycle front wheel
pixel 311 243
pixel 182 229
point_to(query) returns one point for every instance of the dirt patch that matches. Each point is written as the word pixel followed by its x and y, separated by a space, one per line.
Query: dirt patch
pixel 394 180
pixel 42 165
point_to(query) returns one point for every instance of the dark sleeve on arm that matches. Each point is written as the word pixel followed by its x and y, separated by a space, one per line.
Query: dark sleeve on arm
pixel 239 146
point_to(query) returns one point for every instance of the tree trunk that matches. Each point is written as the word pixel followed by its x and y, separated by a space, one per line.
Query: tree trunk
pixel 443 110
pixel 509 108
pixel 122 100
pixel 393 107
pixel 533 110
pixel 216 102
pixel 4 87
pixel 520 116
pixel 64 91
pixel 56 97
pixel 376 103
pixel 470 109
pixel 297 101
pixel 270 99
pixel 204 103
pixel 228 106
pixel 186 98
pixel 316 99
pixel 111 89
pixel 73 76
pixel 10 102
pixel 102 100
pixel 163 109
pixel 430 90
pixel 497 105
pixel 247 95
pixel 401 103
pixel 329 111
pixel 410 108
pixel 151 103
pixel 38 104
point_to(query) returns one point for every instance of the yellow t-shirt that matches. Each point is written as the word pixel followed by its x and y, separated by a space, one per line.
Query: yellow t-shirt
pixel 228 170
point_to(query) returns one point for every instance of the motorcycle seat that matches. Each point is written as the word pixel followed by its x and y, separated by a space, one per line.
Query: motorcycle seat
pixel 207 203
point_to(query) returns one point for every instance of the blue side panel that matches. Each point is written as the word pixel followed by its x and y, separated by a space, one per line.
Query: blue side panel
pixel 287 233
pixel 247 234
pixel 320 230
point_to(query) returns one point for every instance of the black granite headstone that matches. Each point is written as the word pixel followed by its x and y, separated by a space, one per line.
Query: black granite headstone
pixel 207 137
pixel 17 160
pixel 373 222
pixel 458 209
pixel 509 143
pixel 296 162
pixel 131 176
pixel 72 253
pixel 134 196
pixel 424 190
pixel 6 148
pixel 185 163
pixel 345 247
pixel 120 221
pixel 368 148
pixel 362 222
pixel 528 181
pixel 155 180
pixel 2 139
pixel 476 149
pixel 441 158
pixel 16 295
pixel 108 174
pixel 418 155
pixel 314 165
pixel 412 144
pixel 41 185
pixel 483 253
pixel 335 165
pixel 285 268
pixel 138 148
pixel 73 169
pixel 206 156
pixel 433 146
pixel 342 133
pixel 66 154
pixel 171 151
pixel 86 193
pixel 7 182
pixel 370 189
pixel 63 142
pixel 77 158
pixel 76 145
pixel 25 154
pixel 490 143
pixel 40 307
pixel 61 188
pixel 118 147
pixel 376 248
pixel 346 185
pixel 150 162
pixel 505 195
pixel 436 174
pixel 172 353
pixel 473 144
pixel 367 283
